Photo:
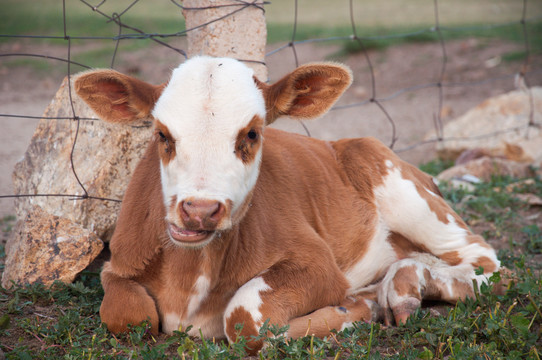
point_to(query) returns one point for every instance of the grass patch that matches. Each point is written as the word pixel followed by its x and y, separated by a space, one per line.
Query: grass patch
pixel 385 37
pixel 435 167
pixel 46 18
pixel 63 322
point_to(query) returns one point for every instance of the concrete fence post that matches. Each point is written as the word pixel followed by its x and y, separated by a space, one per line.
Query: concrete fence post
pixel 228 28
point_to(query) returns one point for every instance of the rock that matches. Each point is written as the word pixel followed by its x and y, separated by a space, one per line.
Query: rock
pixel 462 184
pixel 519 185
pixel 498 125
pixel 104 157
pixel 485 167
pixel 58 236
pixel 46 248
pixel 531 199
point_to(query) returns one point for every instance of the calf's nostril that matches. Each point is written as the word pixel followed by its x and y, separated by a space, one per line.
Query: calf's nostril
pixel 219 211
pixel 185 210
pixel 202 210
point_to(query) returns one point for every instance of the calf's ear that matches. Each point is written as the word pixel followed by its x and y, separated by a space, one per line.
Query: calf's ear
pixel 116 97
pixel 307 92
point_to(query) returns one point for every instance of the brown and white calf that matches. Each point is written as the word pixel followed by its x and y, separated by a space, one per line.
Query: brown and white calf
pixel 227 221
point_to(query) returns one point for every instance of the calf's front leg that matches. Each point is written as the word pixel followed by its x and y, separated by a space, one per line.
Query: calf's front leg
pixel 125 302
pixel 283 292
pixel 356 307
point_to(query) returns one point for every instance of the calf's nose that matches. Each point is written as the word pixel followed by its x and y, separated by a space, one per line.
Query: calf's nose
pixel 201 214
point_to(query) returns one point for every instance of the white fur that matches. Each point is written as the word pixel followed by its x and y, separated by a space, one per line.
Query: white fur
pixel 171 322
pixel 346 325
pixel 409 214
pixel 205 104
pixel 248 297
pixel 389 164
pixel 431 193
pixel 379 256
pixel 201 288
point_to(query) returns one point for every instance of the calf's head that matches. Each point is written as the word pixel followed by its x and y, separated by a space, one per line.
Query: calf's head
pixel 209 121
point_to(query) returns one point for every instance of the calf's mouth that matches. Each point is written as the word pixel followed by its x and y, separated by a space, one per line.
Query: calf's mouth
pixel 189 237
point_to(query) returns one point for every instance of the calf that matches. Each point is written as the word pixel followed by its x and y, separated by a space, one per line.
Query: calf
pixel 226 221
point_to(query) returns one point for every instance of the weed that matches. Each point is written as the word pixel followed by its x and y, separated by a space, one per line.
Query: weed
pixel 436 166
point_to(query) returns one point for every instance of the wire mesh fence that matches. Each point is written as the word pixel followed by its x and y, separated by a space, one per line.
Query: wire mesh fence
pixel 524 71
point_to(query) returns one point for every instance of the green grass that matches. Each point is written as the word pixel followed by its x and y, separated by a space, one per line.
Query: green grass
pixel 26 17
pixel 45 17
pixel 317 19
pixel 62 322
pixel 384 37
pixel 437 166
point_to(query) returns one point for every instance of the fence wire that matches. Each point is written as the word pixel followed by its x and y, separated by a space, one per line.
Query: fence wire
pixel 126 31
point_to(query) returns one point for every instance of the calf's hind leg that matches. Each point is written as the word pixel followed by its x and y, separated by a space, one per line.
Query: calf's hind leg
pixel 422 277
pixel 125 302
pixel 411 205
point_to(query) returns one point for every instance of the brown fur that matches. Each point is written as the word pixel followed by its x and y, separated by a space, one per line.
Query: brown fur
pixel 166 143
pixel 116 97
pixel 245 147
pixel 306 92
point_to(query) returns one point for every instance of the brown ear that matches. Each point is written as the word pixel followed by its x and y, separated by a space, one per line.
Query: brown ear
pixel 116 97
pixel 308 92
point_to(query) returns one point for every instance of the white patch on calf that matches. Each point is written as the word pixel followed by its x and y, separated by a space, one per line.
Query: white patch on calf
pixel 205 104
pixel 473 251
pixel 248 297
pixel 379 256
pixel 407 213
pixel 346 325
pixel 387 294
pixel 389 164
pixel 170 323
pixel 201 288
pixel 431 193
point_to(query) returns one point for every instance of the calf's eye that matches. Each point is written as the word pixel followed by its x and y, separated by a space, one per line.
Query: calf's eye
pixel 252 135
pixel 162 136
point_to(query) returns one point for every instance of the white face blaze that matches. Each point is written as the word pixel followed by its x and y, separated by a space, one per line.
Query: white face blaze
pixel 205 105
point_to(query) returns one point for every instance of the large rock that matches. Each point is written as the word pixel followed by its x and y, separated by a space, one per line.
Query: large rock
pixel 104 158
pixel 48 248
pixel 490 126
pixel 58 236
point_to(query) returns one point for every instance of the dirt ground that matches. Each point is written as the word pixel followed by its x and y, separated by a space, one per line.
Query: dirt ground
pixel 475 66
